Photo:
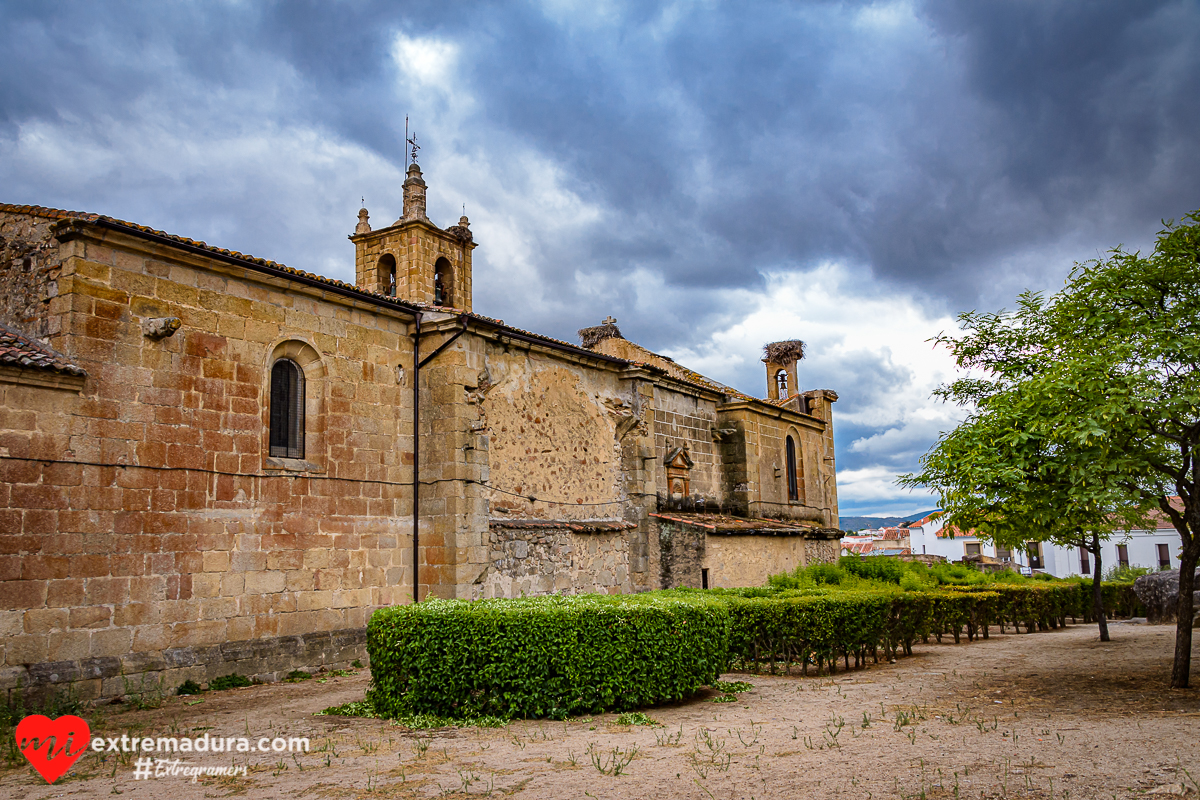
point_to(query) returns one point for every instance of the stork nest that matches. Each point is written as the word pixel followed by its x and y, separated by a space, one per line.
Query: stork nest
pixel 783 352
pixel 590 337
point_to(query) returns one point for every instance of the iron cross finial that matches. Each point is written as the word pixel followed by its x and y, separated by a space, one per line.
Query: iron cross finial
pixel 609 320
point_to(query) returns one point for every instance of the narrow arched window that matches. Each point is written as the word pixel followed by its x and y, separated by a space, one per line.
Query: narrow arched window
pixel 387 273
pixel 781 384
pixel 443 283
pixel 792 478
pixel 287 409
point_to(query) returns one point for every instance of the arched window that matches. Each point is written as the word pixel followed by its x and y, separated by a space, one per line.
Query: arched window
pixel 287 409
pixel 781 384
pixel 792 477
pixel 387 273
pixel 443 283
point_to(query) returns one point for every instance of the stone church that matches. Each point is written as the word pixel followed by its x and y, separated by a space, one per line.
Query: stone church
pixel 211 462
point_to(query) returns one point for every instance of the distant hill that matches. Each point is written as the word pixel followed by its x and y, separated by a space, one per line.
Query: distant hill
pixel 862 523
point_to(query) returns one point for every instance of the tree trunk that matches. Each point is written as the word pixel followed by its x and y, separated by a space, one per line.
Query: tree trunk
pixel 1097 591
pixel 1183 622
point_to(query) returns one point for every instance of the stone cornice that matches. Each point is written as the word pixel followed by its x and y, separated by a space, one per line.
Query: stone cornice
pixel 25 376
pixel 401 226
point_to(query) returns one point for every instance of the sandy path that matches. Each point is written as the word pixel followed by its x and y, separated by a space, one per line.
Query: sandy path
pixel 1054 714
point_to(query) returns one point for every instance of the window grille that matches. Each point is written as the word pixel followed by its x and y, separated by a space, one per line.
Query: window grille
pixel 287 410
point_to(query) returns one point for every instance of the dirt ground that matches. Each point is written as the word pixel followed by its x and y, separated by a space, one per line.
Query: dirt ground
pixel 1047 715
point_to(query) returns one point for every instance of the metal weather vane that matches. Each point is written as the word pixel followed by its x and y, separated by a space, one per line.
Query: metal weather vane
pixel 412 140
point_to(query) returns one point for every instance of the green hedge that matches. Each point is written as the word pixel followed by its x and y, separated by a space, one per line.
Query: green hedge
pixel 822 627
pixel 803 629
pixel 558 656
pixel 1118 596
pixel 545 656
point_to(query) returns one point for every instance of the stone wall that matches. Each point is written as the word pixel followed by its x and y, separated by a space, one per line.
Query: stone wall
pixel 822 551
pixel 756 464
pixel 142 515
pixel 552 428
pixel 29 269
pixel 529 559
pixel 687 419
pixel 683 552
pixel 680 556
pixel 158 672
pixel 733 560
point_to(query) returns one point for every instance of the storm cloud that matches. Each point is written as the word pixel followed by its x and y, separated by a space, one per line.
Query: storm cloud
pixel 713 175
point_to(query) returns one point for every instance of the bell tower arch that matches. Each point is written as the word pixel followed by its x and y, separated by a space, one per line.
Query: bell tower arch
pixel 781 359
pixel 413 259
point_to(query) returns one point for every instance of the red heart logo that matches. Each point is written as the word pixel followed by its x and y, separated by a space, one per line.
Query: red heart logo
pixel 52 745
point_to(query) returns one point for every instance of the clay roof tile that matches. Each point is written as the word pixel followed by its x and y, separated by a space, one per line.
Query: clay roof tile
pixel 17 349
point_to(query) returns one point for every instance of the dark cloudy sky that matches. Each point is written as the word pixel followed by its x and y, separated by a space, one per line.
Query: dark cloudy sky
pixel 714 175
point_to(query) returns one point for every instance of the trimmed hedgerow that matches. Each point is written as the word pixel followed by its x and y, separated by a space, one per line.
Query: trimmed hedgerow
pixel 545 656
pixel 558 656
pixel 822 627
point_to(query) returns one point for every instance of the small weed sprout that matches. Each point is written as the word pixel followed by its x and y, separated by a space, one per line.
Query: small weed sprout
pixel 615 762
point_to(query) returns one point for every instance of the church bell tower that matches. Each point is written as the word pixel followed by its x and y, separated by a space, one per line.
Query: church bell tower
pixel 412 259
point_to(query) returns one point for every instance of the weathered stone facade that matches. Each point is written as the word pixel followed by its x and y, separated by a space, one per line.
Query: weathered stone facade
pixel 30 266
pixel 712 551
pixel 143 519
pixel 528 558
pixel 146 529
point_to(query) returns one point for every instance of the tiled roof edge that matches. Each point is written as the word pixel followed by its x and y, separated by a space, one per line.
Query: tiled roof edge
pixel 19 350
pixel 261 264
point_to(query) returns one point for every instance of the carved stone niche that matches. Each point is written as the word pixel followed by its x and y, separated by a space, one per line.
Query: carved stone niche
pixel 679 465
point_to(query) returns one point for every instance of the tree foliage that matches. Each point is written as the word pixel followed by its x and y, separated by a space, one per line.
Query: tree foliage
pixel 1084 410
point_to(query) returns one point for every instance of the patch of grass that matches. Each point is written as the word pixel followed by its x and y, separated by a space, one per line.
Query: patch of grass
pixel 53 705
pixel 426 721
pixel 297 675
pixel 149 694
pixel 188 687
pixel 356 664
pixel 732 687
pixel 725 698
pixel 365 708
pixel 637 718
pixel 358 708
pixel 230 681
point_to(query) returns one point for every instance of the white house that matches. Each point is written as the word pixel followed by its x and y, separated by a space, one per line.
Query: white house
pixel 1155 549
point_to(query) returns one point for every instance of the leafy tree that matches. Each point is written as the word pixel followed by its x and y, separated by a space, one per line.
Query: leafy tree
pixel 1085 412
pixel 1013 471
